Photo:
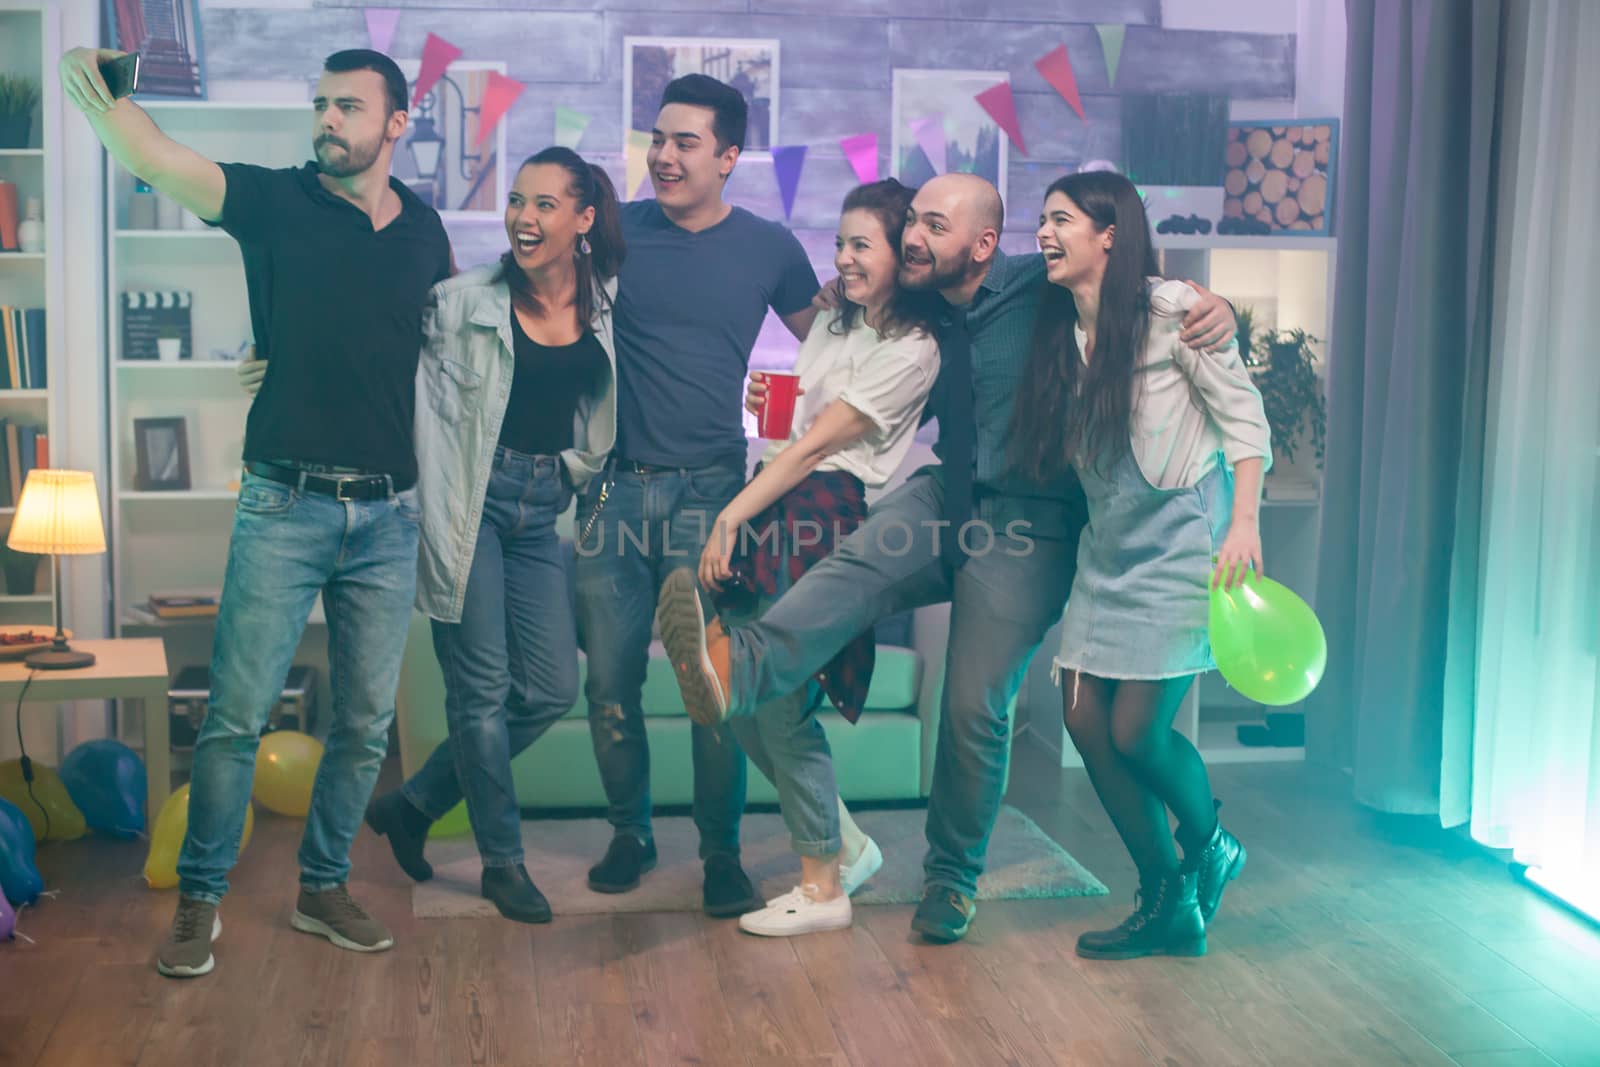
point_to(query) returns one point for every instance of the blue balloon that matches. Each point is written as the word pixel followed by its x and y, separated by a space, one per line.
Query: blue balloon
pixel 106 780
pixel 19 877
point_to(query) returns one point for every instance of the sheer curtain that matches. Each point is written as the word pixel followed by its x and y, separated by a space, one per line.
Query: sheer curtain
pixel 1521 756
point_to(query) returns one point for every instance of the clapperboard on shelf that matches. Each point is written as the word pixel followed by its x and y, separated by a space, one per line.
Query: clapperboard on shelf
pixel 151 314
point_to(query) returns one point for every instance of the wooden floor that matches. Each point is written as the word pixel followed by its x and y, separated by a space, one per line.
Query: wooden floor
pixel 1350 940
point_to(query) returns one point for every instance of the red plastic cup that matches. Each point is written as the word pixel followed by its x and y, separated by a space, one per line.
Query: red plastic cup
pixel 777 410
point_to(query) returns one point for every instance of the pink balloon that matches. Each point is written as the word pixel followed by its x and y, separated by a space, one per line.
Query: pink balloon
pixel 8 918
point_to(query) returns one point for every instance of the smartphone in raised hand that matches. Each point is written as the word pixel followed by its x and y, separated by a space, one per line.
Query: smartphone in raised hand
pixel 121 75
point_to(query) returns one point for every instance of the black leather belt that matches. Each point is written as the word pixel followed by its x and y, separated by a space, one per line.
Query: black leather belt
pixel 338 486
pixel 623 464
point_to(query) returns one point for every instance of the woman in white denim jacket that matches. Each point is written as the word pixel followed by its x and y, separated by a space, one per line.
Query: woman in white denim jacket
pixel 516 408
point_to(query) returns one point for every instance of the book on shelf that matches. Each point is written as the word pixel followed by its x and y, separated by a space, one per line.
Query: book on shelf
pixel 23 363
pixel 184 605
pixel 22 448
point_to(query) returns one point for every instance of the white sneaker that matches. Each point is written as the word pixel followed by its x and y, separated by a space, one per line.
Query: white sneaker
pixel 797 913
pixel 854 875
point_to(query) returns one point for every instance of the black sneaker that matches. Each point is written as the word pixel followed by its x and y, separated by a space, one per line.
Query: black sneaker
pixel 943 915
pixel 728 892
pixel 626 860
pixel 513 893
pixel 395 817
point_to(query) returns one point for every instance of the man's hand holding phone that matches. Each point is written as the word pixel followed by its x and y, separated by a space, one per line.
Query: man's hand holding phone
pixel 94 79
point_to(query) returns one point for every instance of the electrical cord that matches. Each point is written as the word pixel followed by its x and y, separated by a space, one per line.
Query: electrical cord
pixel 27 764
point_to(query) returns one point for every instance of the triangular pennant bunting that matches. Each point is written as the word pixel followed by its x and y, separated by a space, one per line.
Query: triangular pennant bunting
pixel 637 156
pixel 437 55
pixel 1002 107
pixel 570 125
pixel 380 27
pixel 498 96
pixel 787 160
pixel 929 132
pixel 1056 67
pixel 862 152
pixel 1111 44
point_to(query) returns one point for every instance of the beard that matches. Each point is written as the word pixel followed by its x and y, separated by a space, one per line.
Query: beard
pixel 352 160
pixel 937 276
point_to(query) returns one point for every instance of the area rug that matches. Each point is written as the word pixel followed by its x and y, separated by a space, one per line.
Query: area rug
pixel 1024 863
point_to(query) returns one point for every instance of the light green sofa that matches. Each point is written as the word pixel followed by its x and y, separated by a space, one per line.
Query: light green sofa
pixel 887 755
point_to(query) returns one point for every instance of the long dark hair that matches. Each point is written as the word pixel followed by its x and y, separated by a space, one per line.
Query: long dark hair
pixel 907 309
pixel 590 187
pixel 1069 412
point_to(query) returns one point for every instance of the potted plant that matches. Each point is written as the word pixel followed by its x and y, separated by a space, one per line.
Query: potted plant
pixel 18 97
pixel 169 343
pixel 1290 390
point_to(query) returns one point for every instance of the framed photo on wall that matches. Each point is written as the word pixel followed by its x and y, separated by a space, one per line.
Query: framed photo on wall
pixel 440 159
pixel 937 126
pixel 161 453
pixel 750 65
pixel 1282 173
pixel 166 34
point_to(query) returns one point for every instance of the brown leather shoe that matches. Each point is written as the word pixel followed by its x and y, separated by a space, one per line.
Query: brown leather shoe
pixel 700 654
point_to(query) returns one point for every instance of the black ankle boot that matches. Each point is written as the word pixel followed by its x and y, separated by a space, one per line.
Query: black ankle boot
pixel 1216 861
pixel 1166 923
pixel 394 817
pixel 511 891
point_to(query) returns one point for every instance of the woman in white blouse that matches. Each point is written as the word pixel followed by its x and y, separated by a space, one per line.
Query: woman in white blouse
pixel 1170 444
pixel 865 372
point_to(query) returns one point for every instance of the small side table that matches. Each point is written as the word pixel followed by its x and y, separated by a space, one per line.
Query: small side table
pixel 124 668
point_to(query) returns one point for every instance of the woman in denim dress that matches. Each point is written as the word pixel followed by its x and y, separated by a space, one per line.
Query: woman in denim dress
pixel 1170 444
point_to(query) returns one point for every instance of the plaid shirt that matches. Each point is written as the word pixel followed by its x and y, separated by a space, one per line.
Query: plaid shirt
pixel 827 506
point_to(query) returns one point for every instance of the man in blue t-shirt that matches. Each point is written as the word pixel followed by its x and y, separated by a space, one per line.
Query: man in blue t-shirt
pixel 693 292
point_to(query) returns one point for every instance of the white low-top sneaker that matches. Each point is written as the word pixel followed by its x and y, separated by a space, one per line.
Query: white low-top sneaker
pixel 797 913
pixel 854 875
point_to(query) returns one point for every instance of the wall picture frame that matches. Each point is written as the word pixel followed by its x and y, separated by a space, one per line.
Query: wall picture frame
pixel 935 113
pixel 749 64
pixel 166 34
pixel 1282 172
pixel 161 454
pixel 439 157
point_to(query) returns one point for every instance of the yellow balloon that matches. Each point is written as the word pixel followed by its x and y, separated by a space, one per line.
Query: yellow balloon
pixel 49 796
pixel 166 839
pixel 286 769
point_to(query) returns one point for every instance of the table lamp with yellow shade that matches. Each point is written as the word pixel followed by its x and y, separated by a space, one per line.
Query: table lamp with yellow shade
pixel 59 514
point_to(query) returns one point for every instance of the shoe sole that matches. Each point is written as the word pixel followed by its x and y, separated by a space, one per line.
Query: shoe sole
pixel 532 918
pixel 734 910
pixel 620 887
pixel 683 631
pixel 822 929
pixel 941 935
pixel 873 868
pixel 181 971
pixel 1234 870
pixel 384 828
pixel 307 925
pixel 1189 949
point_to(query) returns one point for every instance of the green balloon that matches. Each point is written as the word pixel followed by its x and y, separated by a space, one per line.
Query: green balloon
pixel 1267 641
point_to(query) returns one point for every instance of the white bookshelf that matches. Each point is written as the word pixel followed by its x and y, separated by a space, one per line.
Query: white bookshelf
pixel 160 247
pixel 29 44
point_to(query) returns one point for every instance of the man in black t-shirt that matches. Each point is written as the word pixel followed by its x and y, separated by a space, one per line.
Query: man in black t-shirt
pixel 338 259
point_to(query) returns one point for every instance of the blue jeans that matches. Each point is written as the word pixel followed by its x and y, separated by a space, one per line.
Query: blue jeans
pixel 786 742
pixel 1002 602
pixel 511 664
pixel 650 525
pixel 287 546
